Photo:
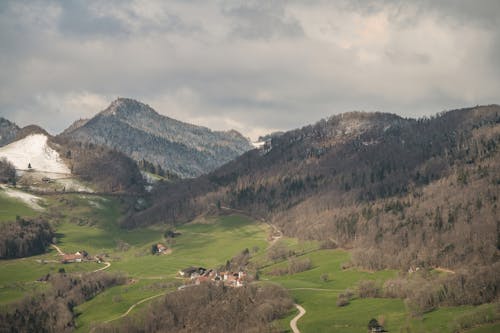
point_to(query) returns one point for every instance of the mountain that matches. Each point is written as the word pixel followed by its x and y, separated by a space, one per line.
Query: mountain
pixel 64 161
pixel 400 191
pixel 8 131
pixel 76 125
pixel 142 134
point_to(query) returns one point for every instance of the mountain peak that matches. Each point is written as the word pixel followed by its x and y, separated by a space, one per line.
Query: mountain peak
pixel 31 130
pixel 143 134
pixel 127 107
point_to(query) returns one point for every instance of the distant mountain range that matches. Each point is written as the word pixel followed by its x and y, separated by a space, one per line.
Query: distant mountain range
pixel 141 133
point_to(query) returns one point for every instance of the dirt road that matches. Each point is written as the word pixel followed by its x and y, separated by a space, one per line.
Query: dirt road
pixel 293 322
pixel 57 249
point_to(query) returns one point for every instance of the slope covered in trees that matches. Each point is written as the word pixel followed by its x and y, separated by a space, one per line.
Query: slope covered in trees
pixel 108 170
pixel 54 310
pixel 24 238
pixel 8 131
pixel 212 308
pixel 404 191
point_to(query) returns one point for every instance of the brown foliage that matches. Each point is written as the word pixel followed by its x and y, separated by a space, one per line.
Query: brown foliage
pixel 368 288
pixel 212 308
pixel 7 171
pixel 52 311
pixel 24 237
pixel 109 170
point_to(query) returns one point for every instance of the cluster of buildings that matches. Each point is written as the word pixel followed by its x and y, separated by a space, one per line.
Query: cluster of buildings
pixel 79 256
pixel 198 275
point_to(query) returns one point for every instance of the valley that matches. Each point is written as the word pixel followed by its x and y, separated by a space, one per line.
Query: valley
pixel 353 221
pixel 209 241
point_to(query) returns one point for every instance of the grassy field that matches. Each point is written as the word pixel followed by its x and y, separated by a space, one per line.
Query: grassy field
pixel 10 208
pixel 319 299
pixel 207 245
pixel 91 223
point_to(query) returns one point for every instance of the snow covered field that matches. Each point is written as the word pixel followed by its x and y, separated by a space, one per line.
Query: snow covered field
pixel 34 150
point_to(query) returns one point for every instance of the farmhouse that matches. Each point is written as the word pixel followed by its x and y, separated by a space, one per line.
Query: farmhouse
pixel 161 248
pixel 69 258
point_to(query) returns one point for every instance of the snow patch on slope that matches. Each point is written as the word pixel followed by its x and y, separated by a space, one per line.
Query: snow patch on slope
pixel 29 199
pixel 34 150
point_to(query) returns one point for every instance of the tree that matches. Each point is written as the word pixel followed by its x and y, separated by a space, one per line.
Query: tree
pixel 154 249
pixel 7 171
pixel 373 323
pixel 29 165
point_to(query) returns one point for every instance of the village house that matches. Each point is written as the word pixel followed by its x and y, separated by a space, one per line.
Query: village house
pixel 78 256
pixel 192 272
pixel 70 258
pixel 230 279
pixel 161 248
pixel 198 275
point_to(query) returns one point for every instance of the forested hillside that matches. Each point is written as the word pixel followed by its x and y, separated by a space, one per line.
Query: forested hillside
pixel 108 170
pixel 23 238
pixel 402 191
pixel 8 131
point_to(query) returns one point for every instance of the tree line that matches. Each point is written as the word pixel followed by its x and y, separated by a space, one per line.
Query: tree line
pixel 7 171
pixel 24 237
pixel 53 311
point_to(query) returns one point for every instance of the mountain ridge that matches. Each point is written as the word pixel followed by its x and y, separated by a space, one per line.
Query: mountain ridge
pixel 364 180
pixel 142 133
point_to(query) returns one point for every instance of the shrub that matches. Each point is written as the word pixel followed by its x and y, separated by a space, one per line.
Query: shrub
pixel 278 251
pixel 299 265
pixel 342 300
pixel 368 288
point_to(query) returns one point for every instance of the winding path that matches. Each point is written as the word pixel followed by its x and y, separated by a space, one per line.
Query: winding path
pixel 293 322
pixel 107 264
pixel 57 249
pixel 134 305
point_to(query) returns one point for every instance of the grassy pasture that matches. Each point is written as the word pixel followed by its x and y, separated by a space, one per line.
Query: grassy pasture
pixel 11 207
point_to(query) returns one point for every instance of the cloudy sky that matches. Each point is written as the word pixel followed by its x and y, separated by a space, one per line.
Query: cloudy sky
pixel 255 66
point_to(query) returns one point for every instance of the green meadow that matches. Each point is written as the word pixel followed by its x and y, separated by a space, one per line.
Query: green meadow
pixel 10 208
pixel 91 223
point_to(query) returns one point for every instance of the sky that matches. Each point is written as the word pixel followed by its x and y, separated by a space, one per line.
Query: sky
pixel 253 66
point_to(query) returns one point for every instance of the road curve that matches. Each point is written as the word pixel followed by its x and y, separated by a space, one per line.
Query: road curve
pixel 134 305
pixel 107 264
pixel 293 322
pixel 129 309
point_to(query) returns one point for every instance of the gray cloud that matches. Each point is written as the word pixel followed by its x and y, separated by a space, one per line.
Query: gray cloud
pixel 262 19
pixel 254 66
pixel 77 19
